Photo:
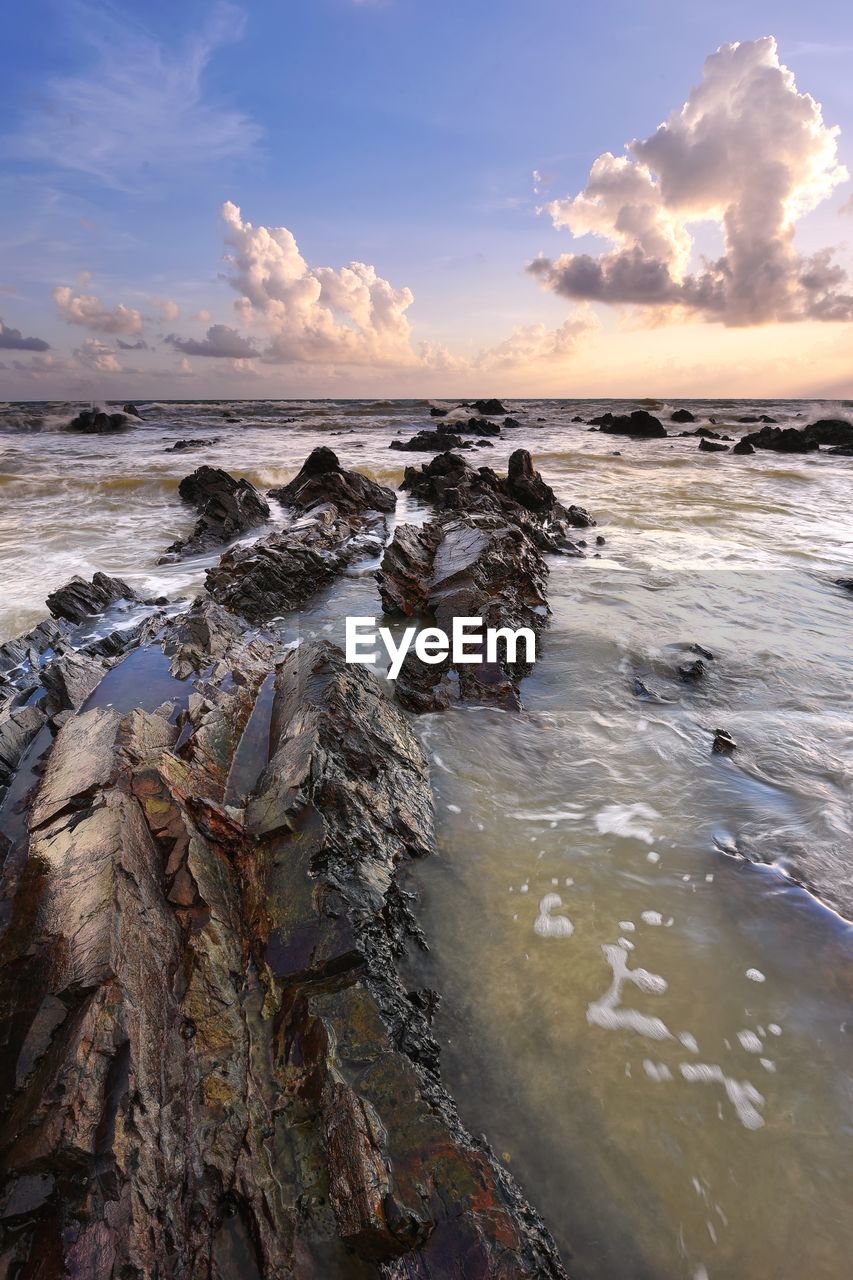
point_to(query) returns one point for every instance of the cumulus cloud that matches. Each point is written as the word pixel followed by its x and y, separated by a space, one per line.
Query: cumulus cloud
pixel 533 344
pixel 748 152
pixel 221 342
pixel 314 315
pixel 167 308
pixel 87 310
pixel 14 340
pixel 139 107
pixel 139 345
pixel 97 355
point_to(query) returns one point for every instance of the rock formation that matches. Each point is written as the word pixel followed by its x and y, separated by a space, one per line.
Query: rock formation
pixel 226 507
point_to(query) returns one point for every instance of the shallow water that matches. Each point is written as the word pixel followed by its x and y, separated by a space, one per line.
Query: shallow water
pixel 652 1029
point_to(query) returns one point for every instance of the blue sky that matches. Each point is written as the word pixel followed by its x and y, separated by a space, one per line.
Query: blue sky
pixel 397 133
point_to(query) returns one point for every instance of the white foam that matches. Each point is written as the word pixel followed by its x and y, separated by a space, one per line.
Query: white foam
pixel 657 1071
pixel 606 1012
pixel 652 917
pixel 548 925
pixel 689 1041
pixel 453 808
pixel 627 926
pixel 651 856
pixel 774 1029
pixel 743 1095
pixel 755 975
pixel 750 1041
pixel 625 820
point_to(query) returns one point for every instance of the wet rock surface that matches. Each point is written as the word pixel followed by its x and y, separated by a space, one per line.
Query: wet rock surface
pixel 226 507
pixel 782 439
pixel 322 479
pixel 431 442
pixel 211 1068
pixel 197 442
pixel 278 573
pixel 79 599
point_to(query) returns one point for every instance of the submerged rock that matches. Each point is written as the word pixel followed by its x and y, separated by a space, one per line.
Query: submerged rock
pixel 80 599
pixel 323 479
pixel 226 507
pixel 132 411
pixel 211 1066
pixel 712 446
pixel 97 422
pixel 430 442
pixel 435 412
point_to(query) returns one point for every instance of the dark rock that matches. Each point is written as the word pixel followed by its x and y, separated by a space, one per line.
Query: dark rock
pixel 842 451
pixel 706 433
pixel 702 651
pixel 323 479
pixel 682 415
pixel 96 422
pixel 712 446
pixel 724 743
pixel 600 540
pixel 132 411
pixel 471 427
pixel 80 599
pixel 71 678
pixel 226 507
pixel 18 728
pixel 640 424
pixel 438 413
pixel 280 572
pixel 196 443
pixel 781 440
pixel 846 583
pixel 755 418
pixel 430 442
pixel 577 418
pixel 511 422
pixel 743 446
pixel 489 408
pixel 692 672
pixel 830 431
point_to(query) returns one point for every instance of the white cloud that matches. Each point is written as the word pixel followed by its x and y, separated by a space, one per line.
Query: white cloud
pixel 314 315
pixel 747 151
pixel 166 308
pixel 140 107
pixel 86 309
pixel 97 355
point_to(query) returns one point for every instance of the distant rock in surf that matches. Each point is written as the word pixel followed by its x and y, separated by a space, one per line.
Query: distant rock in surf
pixel 682 415
pixel 97 422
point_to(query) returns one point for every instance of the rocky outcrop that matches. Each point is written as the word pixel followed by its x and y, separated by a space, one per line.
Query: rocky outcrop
pixel 132 411
pixel 197 442
pixel 523 497
pixel 430 442
pixel 742 447
pixel 782 440
pixel 830 431
pixel 640 424
pixel 489 408
pixel 465 566
pixel 80 599
pixel 469 427
pixel 682 415
pixel 97 422
pixel 226 507
pixel 712 446
pixel 322 479
pixel 280 572
pixel 211 1068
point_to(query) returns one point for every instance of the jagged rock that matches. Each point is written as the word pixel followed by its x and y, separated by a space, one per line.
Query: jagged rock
pixel 451 485
pixel 203 634
pixel 80 599
pixel 193 443
pixel 211 1067
pixel 692 672
pixel 743 446
pixel 846 583
pixel 712 446
pixel 280 572
pixel 18 727
pixel 471 427
pixel 71 678
pixel 96 422
pixel 511 422
pixel 489 408
pixel 781 440
pixel 478 566
pixel 226 507
pixel 682 415
pixel 706 433
pixel 830 431
pixel 724 744
pixel 323 479
pixel 761 417
pixel 641 424
pixel 430 442
pixel 132 411
pixel 438 413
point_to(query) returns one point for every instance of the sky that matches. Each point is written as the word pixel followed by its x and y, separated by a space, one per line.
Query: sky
pixel 289 198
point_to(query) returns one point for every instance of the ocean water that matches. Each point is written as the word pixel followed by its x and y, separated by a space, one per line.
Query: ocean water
pixel 643 947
